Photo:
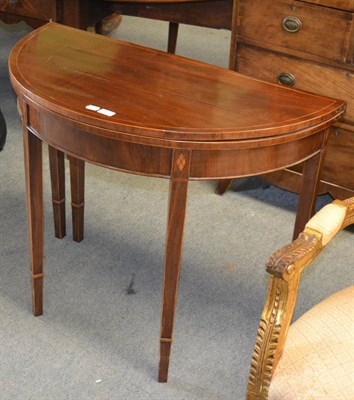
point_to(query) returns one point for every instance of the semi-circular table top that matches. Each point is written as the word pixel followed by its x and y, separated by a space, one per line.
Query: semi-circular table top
pixel 155 94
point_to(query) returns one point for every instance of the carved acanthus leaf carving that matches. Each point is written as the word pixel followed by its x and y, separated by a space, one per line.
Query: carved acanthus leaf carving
pixel 349 218
pixel 292 257
pixel 264 354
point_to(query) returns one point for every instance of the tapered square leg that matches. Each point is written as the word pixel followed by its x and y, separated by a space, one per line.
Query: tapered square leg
pixel 174 237
pixel 34 200
pixel 77 182
pixel 172 37
pixel 223 186
pixel 57 176
pixel 309 188
pixel 165 350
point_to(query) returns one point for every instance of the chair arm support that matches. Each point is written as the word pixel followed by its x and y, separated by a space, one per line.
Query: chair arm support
pixel 319 231
pixel 294 257
pixel 285 266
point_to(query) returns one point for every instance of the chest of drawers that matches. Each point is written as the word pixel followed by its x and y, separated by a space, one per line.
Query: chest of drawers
pixel 308 45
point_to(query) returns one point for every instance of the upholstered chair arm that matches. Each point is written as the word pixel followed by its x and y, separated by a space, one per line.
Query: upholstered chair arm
pixel 285 267
pixel 319 231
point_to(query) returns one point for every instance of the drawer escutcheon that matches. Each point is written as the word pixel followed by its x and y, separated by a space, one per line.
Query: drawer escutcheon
pixel 292 24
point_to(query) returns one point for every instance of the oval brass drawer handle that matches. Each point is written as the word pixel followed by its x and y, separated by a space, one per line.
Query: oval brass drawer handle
pixel 286 79
pixel 292 24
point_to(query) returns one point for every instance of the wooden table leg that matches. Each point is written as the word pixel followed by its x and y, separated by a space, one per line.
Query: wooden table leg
pixel 57 177
pixel 309 188
pixel 77 183
pixel 172 37
pixel 174 237
pixel 223 186
pixel 34 199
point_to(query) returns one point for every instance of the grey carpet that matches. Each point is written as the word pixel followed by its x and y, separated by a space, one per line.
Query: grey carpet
pixel 96 341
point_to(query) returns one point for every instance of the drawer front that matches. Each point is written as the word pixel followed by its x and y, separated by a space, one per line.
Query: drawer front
pixel 317 30
pixel 347 5
pixel 339 161
pixel 305 75
pixel 338 167
pixel 39 9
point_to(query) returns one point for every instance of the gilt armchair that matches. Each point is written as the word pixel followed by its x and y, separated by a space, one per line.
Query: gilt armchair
pixel 313 359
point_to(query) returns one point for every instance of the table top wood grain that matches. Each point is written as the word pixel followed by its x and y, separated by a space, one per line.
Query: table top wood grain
pixel 155 94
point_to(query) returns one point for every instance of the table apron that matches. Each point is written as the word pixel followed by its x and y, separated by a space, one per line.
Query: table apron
pixel 145 159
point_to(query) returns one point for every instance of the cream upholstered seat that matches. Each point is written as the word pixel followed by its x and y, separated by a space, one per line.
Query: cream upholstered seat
pixel 318 357
pixel 316 362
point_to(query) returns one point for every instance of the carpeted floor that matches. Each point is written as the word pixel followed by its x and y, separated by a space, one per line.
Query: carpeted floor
pixel 96 341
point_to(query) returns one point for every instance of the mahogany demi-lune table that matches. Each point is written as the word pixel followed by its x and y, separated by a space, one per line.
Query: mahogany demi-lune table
pixel 147 112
